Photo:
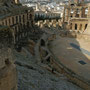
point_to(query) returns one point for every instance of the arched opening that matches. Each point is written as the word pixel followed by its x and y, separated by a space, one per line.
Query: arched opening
pixel 75 26
pixel 85 26
pixel 86 12
pixel 30 16
pixel 16 19
pixel 48 59
pixel 23 18
pixel 42 42
pixel 27 24
pixel 7 62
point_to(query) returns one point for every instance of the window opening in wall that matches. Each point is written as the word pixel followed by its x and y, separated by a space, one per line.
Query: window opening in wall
pixel 75 26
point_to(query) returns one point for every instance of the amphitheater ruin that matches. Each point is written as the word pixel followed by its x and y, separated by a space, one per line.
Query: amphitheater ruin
pixel 65 50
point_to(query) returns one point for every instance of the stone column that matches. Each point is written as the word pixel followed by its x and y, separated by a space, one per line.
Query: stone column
pixel 73 26
pixel 83 27
pixel 83 12
pixel 63 20
pixel 80 15
pixel 88 15
pixel 78 26
pixel 74 13
pixel 87 31
pixel 67 14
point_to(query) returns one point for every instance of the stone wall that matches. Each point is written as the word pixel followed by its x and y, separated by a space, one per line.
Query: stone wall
pixel 78 24
pixel 47 57
pixel 20 23
pixel 8 74
pixel 49 23
pixel 76 17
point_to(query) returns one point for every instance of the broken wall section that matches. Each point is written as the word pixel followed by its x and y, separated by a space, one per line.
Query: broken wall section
pixel 8 76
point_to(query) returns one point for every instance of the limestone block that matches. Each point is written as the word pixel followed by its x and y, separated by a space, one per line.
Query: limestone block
pixel 8 80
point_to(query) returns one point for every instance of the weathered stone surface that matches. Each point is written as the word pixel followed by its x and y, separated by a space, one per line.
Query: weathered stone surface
pixel 8 78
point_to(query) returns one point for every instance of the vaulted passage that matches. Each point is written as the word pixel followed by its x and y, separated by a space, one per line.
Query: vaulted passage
pixel 85 26
pixel 75 26
pixel 42 42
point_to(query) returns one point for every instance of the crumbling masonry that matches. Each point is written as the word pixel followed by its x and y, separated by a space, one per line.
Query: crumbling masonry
pixel 76 16
pixel 15 21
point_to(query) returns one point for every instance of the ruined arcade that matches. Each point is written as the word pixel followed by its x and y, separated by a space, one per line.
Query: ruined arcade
pixel 40 50
pixel 77 15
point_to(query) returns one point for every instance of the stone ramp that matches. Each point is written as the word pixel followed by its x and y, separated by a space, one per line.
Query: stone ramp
pixel 73 55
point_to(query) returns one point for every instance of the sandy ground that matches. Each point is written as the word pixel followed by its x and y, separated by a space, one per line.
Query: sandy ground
pixel 32 76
